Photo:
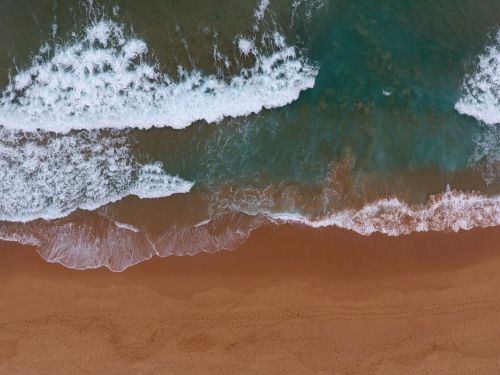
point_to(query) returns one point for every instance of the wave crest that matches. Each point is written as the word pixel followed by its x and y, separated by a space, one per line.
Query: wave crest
pixel 449 211
pixel 103 80
pixel 47 176
pixel 90 242
pixel 481 89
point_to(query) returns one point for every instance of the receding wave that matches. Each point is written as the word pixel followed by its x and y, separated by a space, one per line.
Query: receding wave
pixel 102 80
pixel 101 242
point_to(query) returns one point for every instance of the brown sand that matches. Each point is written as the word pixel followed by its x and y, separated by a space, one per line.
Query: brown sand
pixel 290 301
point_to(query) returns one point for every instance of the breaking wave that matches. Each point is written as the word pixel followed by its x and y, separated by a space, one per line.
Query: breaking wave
pixel 102 79
pixel 102 242
pixel 48 176
pixel 448 212
pixel 481 89
pixel 63 147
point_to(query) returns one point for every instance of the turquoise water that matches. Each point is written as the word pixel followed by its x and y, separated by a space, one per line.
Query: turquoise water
pixel 357 107
pixel 362 49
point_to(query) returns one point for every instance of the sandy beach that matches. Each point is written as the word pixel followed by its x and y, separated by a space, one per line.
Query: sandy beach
pixel 290 301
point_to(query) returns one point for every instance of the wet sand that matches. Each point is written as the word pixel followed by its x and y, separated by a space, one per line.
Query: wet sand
pixel 290 301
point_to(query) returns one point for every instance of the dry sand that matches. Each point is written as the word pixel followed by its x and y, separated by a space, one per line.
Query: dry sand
pixel 290 301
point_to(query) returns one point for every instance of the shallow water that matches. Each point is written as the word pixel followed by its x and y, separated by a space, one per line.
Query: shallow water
pixel 223 117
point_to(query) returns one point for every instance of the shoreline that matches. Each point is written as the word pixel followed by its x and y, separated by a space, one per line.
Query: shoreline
pixel 290 300
pixel 146 227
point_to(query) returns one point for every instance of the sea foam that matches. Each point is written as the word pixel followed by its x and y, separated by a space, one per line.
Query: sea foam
pixel 47 176
pixel 451 211
pixel 102 242
pixel 481 89
pixel 102 79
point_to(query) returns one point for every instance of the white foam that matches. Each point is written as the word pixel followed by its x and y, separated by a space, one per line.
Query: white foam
pixel 101 242
pixel 202 223
pixel 126 226
pixel 246 46
pixel 450 211
pixel 102 80
pixel 47 176
pixel 310 7
pixel 152 182
pixel 261 10
pixel 486 156
pixel 481 89
pixel 9 235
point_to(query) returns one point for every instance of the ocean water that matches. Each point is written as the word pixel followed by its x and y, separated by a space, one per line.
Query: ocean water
pixel 129 130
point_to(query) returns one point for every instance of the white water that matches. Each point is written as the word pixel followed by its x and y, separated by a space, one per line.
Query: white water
pixel 481 99
pixel 450 211
pixel 101 79
pixel 481 89
pixel 117 246
pixel 49 176
pixel 261 10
